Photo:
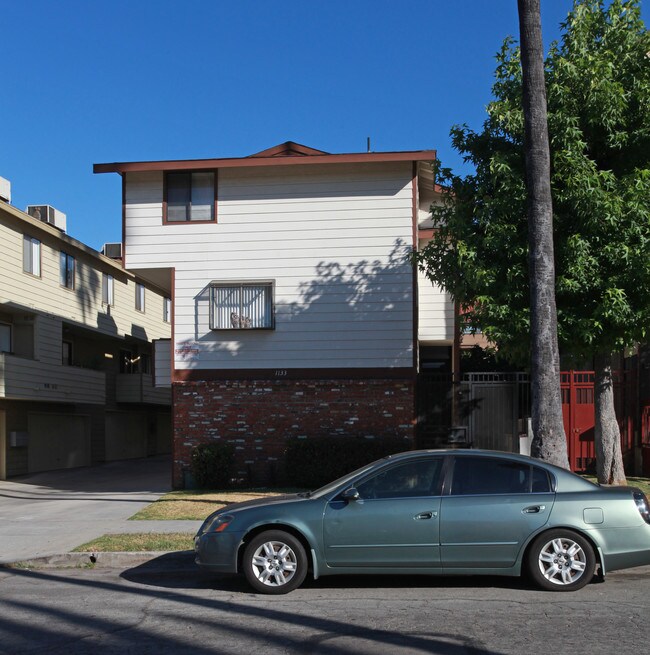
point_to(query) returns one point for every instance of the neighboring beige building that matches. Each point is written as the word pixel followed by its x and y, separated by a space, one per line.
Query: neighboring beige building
pixel 76 333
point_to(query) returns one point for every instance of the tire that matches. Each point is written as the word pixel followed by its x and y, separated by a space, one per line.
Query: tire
pixel 274 562
pixel 561 560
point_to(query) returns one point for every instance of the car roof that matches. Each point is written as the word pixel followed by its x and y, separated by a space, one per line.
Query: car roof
pixel 566 480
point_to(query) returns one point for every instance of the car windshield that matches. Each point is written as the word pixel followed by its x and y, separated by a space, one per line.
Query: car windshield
pixel 331 486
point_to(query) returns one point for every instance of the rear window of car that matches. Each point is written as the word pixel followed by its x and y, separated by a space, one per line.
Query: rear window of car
pixel 484 475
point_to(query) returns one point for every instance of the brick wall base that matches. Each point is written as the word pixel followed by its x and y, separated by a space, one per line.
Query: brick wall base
pixel 257 416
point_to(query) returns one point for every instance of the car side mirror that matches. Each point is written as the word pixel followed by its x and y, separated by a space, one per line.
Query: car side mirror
pixel 350 494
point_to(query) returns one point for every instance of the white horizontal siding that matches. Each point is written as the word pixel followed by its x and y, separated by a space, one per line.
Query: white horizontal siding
pixel 333 239
pixel 47 338
pixel 162 353
pixel 435 311
pixel 27 379
pixel 138 388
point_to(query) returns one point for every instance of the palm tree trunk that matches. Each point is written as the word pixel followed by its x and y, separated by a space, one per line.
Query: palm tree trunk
pixel 549 440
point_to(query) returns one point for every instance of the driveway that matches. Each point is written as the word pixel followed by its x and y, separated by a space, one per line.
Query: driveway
pixel 53 512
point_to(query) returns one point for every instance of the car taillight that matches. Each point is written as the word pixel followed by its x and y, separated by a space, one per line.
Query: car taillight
pixel 642 505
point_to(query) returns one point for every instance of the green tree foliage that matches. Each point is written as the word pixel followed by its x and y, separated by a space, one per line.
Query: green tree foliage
pixel 598 93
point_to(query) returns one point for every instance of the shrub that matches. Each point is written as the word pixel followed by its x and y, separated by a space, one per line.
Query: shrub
pixel 313 462
pixel 212 465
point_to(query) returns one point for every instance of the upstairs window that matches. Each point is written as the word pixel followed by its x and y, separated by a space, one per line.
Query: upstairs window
pixel 139 297
pixel 167 310
pixel 241 305
pixel 108 290
pixel 32 256
pixel 190 197
pixel 66 270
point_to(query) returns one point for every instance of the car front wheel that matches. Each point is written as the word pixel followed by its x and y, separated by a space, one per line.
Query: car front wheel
pixel 275 562
pixel 561 560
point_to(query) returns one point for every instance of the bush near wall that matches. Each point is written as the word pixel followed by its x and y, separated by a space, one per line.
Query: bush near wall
pixel 313 462
pixel 212 465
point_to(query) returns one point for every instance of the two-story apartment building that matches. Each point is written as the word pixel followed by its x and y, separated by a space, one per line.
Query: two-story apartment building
pixel 76 333
pixel 297 311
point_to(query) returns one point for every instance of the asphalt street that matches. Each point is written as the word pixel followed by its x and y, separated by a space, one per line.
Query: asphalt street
pixel 154 608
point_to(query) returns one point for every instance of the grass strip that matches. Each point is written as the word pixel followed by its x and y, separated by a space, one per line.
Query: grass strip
pixel 196 505
pixel 154 541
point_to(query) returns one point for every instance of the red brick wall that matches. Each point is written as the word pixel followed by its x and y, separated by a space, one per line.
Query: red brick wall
pixel 258 415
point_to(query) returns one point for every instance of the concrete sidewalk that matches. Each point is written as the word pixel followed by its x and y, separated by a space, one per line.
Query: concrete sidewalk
pixel 52 513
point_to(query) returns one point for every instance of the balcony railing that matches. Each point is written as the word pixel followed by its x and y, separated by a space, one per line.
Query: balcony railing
pixel 138 388
pixel 29 379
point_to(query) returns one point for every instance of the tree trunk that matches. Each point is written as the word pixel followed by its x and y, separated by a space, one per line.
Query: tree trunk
pixel 549 440
pixel 607 435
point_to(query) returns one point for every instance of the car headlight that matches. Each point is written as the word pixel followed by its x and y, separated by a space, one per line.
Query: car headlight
pixel 642 505
pixel 219 523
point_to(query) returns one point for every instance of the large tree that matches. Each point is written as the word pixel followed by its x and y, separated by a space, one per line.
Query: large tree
pixel 549 440
pixel 598 93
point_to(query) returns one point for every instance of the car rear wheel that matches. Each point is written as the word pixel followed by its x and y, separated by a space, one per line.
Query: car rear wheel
pixel 275 562
pixel 561 560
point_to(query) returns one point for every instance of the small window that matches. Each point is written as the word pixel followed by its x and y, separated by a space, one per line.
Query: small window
pixel 190 197
pixel 139 297
pixel 409 480
pixel 32 256
pixel 245 305
pixel 487 476
pixel 66 270
pixel 108 297
pixel 167 310
pixel 5 338
pixel 66 354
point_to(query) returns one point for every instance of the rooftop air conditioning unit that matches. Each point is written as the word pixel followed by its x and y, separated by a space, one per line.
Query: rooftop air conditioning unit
pixel 5 190
pixel 112 250
pixel 48 214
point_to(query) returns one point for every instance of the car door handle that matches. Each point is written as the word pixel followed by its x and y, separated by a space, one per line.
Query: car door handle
pixel 533 509
pixel 425 515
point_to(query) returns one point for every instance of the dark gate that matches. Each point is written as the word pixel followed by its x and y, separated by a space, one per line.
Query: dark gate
pixel 434 409
pixel 499 404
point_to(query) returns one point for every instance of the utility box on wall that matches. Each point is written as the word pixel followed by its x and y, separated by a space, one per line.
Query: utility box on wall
pixel 18 439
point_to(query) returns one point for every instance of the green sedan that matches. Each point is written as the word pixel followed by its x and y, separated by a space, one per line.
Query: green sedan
pixel 455 512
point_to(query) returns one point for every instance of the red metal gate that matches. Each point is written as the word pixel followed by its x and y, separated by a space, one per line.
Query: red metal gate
pixel 578 412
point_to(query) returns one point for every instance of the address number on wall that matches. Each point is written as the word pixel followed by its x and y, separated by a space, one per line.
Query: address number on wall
pixel 281 373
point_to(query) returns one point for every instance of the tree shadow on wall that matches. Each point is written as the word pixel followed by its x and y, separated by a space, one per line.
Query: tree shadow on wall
pixel 358 314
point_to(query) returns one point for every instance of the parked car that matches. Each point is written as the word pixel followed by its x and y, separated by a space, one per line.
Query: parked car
pixel 454 512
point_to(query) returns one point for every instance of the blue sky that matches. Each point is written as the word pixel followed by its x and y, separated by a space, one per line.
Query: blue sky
pixel 85 82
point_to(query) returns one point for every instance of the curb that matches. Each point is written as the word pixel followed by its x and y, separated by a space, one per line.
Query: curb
pixel 181 559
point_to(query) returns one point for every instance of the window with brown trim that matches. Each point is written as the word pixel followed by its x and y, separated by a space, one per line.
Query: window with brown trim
pixel 190 197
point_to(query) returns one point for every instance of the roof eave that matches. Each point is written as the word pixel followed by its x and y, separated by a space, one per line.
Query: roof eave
pixel 252 162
